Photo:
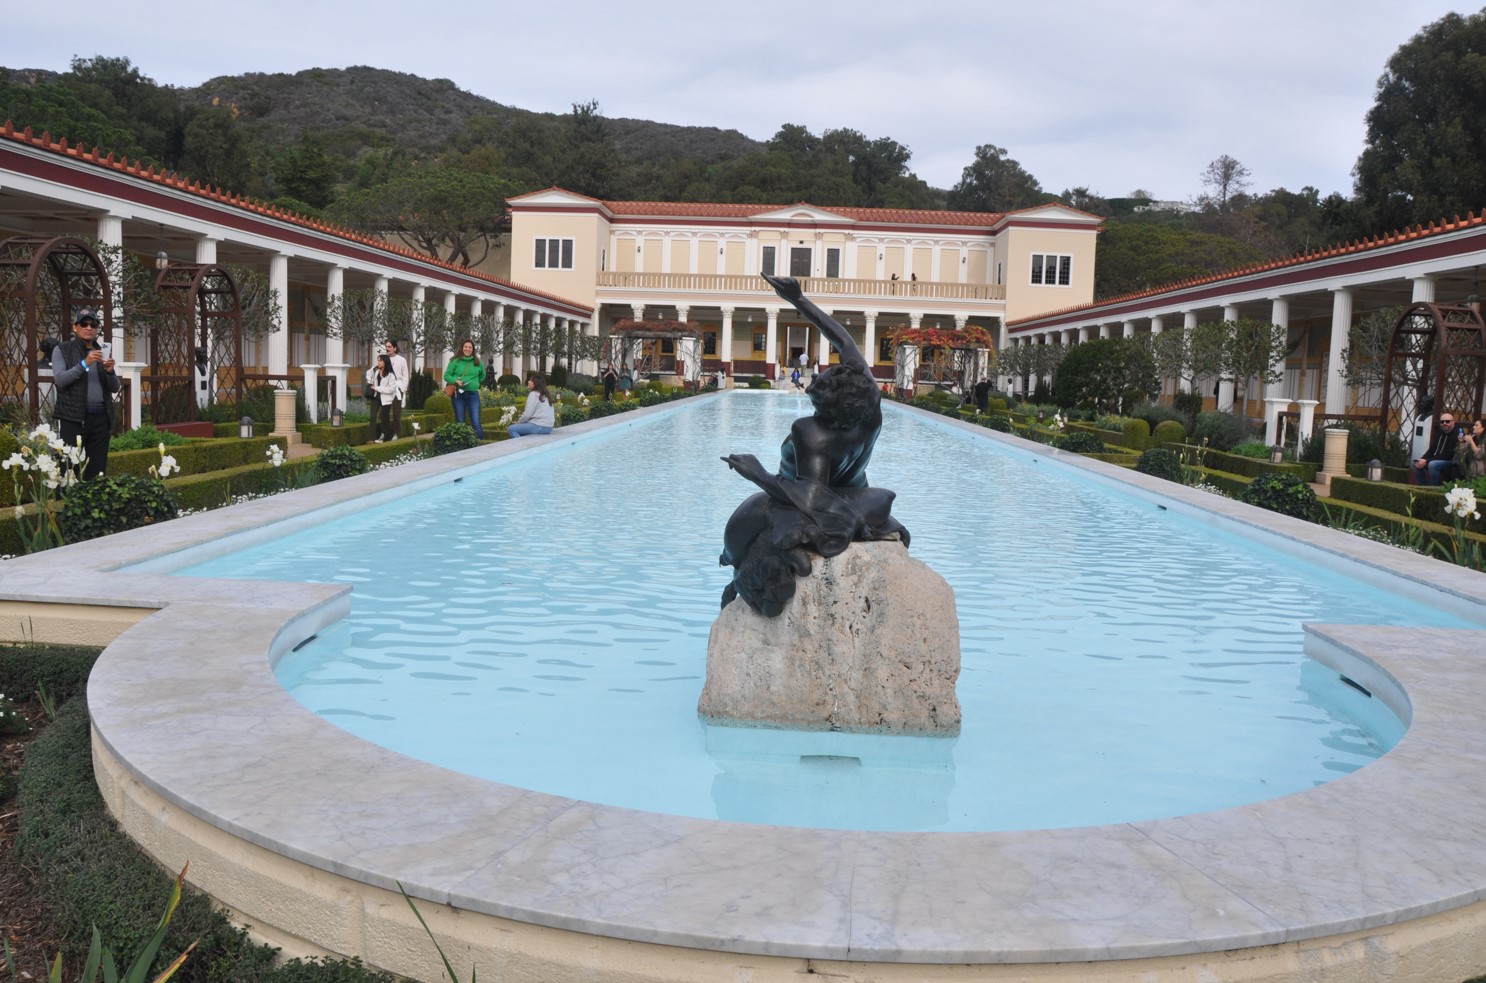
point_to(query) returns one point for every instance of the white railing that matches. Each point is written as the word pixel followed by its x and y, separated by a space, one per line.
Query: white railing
pixel 816 286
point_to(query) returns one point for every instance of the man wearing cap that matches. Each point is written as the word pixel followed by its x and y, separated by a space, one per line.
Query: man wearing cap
pixel 86 384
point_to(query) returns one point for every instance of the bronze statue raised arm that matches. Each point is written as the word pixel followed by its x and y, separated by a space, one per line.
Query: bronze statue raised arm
pixel 819 500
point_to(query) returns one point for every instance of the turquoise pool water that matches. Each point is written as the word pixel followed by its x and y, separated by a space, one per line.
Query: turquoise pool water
pixel 544 624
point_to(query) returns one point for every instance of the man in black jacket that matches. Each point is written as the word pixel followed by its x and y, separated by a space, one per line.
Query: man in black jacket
pixel 86 384
pixel 1438 462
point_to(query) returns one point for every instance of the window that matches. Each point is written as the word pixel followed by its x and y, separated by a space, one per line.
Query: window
pixel 709 343
pixel 758 341
pixel 1051 269
pixel 833 263
pixel 668 346
pixel 799 261
pixel 999 281
pixel 768 260
pixel 884 349
pixel 554 254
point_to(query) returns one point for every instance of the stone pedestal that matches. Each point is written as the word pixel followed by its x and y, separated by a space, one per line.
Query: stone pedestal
pixel 870 643
pixel 283 416
pixel 1333 456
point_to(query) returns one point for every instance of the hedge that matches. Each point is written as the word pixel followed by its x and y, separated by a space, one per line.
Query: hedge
pixel 1425 503
pixel 323 435
pixel 1343 513
pixel 1249 467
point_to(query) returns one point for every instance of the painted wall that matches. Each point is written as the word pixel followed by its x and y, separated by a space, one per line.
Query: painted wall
pixel 1023 298
pixel 589 233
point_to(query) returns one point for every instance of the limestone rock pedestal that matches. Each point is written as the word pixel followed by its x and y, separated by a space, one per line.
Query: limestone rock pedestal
pixel 870 643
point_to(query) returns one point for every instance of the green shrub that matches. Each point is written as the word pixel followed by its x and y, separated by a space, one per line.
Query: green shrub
pixel 1160 463
pixel 1189 405
pixel 453 437
pixel 570 414
pixel 1135 434
pixel 12 721
pixel 144 438
pixel 511 382
pixel 340 462
pixel 440 404
pixel 1364 443
pixel 1222 431
pixel 8 443
pixel 558 376
pixel 1169 432
pixel 61 669
pixel 998 422
pixel 1257 449
pixel 1080 442
pixel 601 408
pixel 650 398
pixel 996 405
pixel 1285 494
pixel 110 504
pixel 759 383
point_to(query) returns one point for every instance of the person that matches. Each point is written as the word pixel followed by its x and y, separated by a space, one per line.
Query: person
pixel 1473 449
pixel 983 396
pixel 400 369
pixel 538 415
pixel 626 379
pixel 819 500
pixel 465 373
pixel 388 394
pixel 1438 461
pixel 611 379
pixel 721 379
pixel 795 379
pixel 83 373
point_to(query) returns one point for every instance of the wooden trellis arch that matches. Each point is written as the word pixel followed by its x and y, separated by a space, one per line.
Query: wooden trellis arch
pixel 1438 350
pixel 43 281
pixel 200 312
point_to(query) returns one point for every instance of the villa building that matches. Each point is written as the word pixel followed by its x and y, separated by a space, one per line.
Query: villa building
pixel 873 269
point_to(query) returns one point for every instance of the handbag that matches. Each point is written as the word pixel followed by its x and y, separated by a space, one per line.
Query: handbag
pixel 449 390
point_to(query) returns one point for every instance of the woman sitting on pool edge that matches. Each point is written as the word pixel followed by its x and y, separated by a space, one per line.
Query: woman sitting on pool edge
pixel 538 416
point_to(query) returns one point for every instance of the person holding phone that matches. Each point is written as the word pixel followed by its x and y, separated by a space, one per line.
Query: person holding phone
pixel 1473 449
pixel 83 371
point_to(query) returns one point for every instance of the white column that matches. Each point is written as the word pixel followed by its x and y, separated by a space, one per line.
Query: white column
pixel 111 233
pixel 869 337
pixel 683 312
pixel 1189 324
pixel 1279 313
pixel 1225 384
pixel 1273 407
pixel 725 340
pixel 771 338
pixel 823 346
pixel 1307 420
pixel 335 347
pixel 1423 289
pixel 206 251
pixel 451 304
pixel 311 391
pixel 1127 330
pixel 1158 324
pixel 278 341
pixel 477 308
pixel 1341 326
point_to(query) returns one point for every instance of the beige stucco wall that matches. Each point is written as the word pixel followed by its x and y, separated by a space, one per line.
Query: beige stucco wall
pixel 66 624
pixel 735 254
pixel 589 233
pixel 1023 299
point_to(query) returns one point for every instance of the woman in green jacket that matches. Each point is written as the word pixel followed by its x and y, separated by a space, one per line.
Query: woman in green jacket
pixel 465 373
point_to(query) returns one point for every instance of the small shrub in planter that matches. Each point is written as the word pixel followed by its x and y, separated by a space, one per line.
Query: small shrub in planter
pixel 1170 432
pixel 453 437
pixel 1283 493
pixel 420 387
pixel 511 382
pixel 759 384
pixel 340 462
pixel 650 398
pixel 570 415
pixel 146 437
pixel 1080 442
pixel 601 408
pixel 998 423
pixel 108 505
pixel 1137 434
pixel 558 376
pixel 1160 463
pixel 1257 449
pixel 439 403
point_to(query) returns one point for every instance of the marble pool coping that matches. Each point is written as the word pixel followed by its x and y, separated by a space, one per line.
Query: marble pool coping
pixel 187 702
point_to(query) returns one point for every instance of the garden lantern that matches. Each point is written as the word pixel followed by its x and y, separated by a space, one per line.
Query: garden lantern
pixel 337 418
pixel 245 427
pixel 1374 470
pixel 1276 454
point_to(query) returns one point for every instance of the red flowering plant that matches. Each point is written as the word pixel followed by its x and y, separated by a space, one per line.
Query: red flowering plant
pixel 970 336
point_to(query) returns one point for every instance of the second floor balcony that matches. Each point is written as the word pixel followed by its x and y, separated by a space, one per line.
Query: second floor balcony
pixel 750 287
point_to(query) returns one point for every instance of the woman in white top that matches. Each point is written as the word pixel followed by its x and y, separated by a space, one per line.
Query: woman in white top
pixel 389 393
pixel 538 416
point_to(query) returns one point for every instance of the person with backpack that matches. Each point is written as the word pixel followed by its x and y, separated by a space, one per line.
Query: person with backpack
pixel 388 393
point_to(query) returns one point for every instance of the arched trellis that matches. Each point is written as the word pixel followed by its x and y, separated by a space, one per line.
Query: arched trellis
pixel 942 356
pixel 196 340
pixel 42 283
pixel 626 346
pixel 1438 350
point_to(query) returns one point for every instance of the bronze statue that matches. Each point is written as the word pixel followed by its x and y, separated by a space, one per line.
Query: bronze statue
pixel 820 500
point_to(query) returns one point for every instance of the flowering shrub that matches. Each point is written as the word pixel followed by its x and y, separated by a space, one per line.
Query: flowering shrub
pixel 42 468
pixel 1460 504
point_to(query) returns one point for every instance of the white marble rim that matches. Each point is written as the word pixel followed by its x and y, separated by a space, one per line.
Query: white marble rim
pixel 187 702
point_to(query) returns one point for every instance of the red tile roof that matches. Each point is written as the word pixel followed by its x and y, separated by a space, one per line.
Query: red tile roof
pixel 175 180
pixel 1364 244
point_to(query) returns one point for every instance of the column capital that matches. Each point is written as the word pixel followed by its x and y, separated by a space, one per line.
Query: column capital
pixel 727 310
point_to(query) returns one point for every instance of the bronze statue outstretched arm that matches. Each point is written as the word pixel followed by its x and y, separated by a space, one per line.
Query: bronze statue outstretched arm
pixel 788 288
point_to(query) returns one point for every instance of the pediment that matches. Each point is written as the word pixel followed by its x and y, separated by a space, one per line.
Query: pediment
pixel 802 213
pixel 1052 212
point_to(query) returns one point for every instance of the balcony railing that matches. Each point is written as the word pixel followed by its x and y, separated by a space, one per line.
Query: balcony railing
pixel 815 286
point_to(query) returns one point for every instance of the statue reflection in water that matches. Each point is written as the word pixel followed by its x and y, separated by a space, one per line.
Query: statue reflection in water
pixel 820 500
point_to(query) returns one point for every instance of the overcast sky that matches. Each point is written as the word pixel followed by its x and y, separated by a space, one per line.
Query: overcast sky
pixel 1113 96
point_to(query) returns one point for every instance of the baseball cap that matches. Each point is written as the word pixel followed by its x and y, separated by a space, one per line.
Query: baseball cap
pixel 86 314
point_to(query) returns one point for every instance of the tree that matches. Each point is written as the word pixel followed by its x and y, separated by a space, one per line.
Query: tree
pixel 1226 180
pixel 1107 373
pixel 1138 255
pixel 1425 152
pixel 1086 201
pixel 1255 350
pixel 993 182
pixel 444 212
pixel 306 173
pixel 587 162
pixel 53 109
pixel 217 151
pixel 1172 352
pixel 1209 344
pixel 1365 359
